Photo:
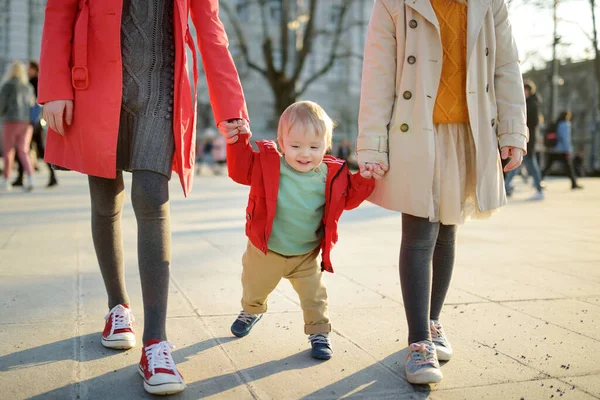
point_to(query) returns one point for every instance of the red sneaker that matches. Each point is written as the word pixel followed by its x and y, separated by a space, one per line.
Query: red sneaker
pixel 118 330
pixel 158 369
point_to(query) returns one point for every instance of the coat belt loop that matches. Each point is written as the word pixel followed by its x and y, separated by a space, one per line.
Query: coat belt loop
pixel 79 71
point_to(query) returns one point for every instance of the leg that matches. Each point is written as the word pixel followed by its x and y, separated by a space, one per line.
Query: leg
pixel 534 170
pixel 509 177
pixel 107 197
pixel 8 147
pixel 307 279
pixel 550 157
pixel 19 180
pixel 23 147
pixel 416 254
pixel 150 199
pixel 443 264
pixel 569 165
pixel 260 275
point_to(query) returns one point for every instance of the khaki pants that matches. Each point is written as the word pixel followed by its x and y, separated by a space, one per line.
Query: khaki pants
pixel 261 274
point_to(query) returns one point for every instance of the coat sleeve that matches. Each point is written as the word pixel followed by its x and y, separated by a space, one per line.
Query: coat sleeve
pixel 240 160
pixel 55 58
pixel 224 87
pixel 563 136
pixel 508 82
pixel 378 87
pixel 359 189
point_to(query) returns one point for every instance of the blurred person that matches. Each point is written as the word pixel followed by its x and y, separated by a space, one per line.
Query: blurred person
pixel 219 154
pixel 38 130
pixel 344 150
pixel 16 99
pixel 562 152
pixel 117 97
pixel 529 160
pixel 578 163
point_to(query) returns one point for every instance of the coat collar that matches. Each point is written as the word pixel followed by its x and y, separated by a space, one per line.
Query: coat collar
pixel 476 11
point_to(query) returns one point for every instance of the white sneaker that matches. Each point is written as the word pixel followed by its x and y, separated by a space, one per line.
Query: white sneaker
pixel 537 197
pixel 29 186
pixel 118 330
pixel 443 349
pixel 422 366
pixel 6 185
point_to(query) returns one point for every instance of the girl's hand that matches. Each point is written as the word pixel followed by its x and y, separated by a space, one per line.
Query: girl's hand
pixel 232 128
pixel 372 170
pixel 516 157
pixel 56 113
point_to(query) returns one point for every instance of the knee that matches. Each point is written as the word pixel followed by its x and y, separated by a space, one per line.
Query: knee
pixel 447 235
pixel 149 195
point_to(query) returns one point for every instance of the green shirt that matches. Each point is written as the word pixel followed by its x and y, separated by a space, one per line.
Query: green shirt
pixel 300 205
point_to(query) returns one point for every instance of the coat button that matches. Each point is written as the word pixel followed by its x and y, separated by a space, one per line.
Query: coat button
pixel 404 127
pixel 487 51
pixel 487 87
pixel 407 95
pixel 493 121
pixel 413 24
pixel 412 59
pixel 248 217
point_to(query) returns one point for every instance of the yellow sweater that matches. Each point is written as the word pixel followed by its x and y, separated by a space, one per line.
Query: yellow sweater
pixel 451 100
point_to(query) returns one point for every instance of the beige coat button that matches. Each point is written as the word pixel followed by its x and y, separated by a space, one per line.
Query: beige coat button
pixel 412 59
pixel 413 24
pixel 404 127
pixel 407 95
pixel 493 121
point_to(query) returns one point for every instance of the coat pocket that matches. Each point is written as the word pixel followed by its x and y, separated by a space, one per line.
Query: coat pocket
pixel 249 215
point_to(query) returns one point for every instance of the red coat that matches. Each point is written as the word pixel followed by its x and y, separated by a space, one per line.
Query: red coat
pixel 260 170
pixel 81 61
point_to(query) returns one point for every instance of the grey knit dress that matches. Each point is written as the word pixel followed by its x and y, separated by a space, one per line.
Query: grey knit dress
pixel 146 125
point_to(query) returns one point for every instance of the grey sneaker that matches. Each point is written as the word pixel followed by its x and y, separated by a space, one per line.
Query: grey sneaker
pixel 422 366
pixel 443 348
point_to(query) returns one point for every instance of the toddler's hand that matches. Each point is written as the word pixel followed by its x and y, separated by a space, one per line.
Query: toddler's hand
pixel 372 170
pixel 232 128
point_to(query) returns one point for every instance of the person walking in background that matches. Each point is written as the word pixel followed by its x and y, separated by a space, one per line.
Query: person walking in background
pixel 530 160
pixel 344 150
pixel 38 130
pixel 563 150
pixel 16 99
pixel 437 99
pixel 117 97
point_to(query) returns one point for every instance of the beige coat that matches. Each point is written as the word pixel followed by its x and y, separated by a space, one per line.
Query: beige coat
pixel 401 74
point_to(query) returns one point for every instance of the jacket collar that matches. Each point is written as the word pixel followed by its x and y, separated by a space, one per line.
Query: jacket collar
pixel 476 11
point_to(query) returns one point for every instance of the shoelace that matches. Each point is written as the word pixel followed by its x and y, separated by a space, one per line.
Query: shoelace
pixel 319 338
pixel 436 331
pixel 121 318
pixel 246 317
pixel 159 356
pixel 422 353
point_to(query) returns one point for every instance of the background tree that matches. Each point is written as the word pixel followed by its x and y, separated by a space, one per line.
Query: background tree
pixel 287 44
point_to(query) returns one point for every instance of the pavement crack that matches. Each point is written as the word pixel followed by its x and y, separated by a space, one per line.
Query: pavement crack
pixel 243 379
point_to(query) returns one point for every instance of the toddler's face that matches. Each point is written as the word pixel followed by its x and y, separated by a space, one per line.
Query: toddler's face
pixel 303 150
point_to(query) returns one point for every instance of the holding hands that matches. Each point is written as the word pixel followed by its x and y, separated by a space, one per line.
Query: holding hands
pixel 232 128
pixel 372 170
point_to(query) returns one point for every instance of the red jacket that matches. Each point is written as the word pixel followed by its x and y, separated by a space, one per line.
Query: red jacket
pixel 81 61
pixel 260 170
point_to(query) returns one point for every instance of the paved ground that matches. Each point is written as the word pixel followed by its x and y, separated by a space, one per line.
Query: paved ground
pixel 523 313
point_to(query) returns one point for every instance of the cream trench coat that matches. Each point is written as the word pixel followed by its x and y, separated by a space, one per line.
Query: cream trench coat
pixel 401 74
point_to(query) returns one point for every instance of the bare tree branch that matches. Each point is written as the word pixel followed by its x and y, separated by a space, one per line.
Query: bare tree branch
pixel 334 47
pixel 308 39
pixel 241 38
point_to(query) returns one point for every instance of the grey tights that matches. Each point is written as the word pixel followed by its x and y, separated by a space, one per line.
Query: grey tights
pixel 150 199
pixel 424 288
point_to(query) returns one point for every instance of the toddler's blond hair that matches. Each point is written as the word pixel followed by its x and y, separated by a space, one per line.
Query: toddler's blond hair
pixel 311 116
